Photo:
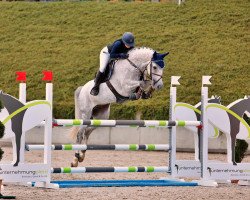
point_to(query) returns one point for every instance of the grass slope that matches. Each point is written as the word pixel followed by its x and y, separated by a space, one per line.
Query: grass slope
pixel 204 37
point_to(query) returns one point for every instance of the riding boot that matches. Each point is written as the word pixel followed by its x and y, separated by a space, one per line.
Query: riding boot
pixel 98 79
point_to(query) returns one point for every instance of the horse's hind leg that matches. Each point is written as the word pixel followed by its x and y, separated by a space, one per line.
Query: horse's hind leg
pixel 77 153
pixel 86 135
pixel 82 135
pixel 99 112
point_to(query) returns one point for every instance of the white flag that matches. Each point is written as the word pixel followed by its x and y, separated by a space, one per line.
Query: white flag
pixel 206 80
pixel 175 80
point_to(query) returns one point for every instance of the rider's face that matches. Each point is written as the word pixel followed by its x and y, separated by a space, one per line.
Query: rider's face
pixel 127 46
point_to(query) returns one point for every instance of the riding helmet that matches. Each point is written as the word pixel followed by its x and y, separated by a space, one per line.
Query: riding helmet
pixel 128 39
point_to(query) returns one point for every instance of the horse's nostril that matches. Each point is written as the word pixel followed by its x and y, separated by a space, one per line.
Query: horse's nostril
pixel 159 86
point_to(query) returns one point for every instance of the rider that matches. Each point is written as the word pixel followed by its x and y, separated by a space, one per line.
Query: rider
pixel 117 50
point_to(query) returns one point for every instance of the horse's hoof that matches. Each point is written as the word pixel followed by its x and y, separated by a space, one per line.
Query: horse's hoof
pixel 16 164
pixel 74 163
pixel 81 158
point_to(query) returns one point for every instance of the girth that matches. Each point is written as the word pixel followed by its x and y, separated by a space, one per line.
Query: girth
pixel 119 98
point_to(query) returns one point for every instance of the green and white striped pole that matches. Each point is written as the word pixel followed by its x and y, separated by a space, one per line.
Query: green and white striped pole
pixel 116 147
pixel 73 170
pixel 123 123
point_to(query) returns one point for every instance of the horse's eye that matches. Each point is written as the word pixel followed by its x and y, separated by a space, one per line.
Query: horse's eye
pixel 155 67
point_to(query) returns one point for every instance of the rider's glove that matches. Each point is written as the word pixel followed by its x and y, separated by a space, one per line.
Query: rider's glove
pixel 123 56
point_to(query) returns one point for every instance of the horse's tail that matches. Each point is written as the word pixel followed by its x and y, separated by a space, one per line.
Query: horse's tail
pixel 74 130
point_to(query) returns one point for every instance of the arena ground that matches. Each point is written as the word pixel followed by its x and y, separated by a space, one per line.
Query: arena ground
pixel 124 158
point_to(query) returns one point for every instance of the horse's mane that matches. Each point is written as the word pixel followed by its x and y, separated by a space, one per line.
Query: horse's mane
pixel 141 52
pixel 140 48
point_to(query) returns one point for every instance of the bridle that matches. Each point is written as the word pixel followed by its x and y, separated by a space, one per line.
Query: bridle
pixel 148 69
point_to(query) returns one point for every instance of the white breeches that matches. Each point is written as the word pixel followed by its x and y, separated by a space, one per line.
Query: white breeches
pixel 104 59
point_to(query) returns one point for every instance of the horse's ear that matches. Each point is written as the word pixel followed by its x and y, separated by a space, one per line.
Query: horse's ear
pixel 164 54
pixel 155 55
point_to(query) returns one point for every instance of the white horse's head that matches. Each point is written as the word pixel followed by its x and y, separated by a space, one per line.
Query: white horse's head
pixel 151 63
pixel 155 69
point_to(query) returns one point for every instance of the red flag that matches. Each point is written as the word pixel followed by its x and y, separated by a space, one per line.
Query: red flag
pixel 21 76
pixel 199 127
pixel 47 76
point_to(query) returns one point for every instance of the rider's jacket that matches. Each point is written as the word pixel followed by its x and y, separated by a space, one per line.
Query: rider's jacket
pixel 117 49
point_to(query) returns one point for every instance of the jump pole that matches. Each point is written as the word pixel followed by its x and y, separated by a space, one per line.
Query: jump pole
pixel 116 147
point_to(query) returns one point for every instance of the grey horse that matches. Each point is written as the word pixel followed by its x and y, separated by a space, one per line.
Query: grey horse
pixel 141 71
